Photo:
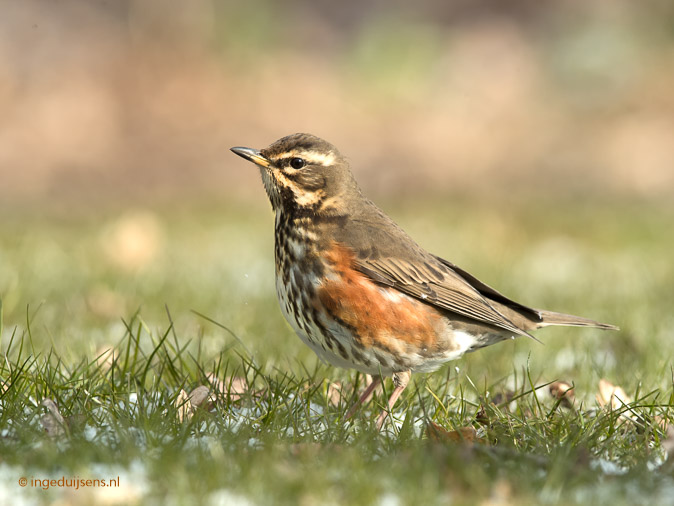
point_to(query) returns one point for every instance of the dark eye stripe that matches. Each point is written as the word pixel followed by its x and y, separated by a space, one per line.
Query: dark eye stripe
pixel 285 161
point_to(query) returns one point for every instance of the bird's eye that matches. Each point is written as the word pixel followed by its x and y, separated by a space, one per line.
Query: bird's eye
pixel 297 163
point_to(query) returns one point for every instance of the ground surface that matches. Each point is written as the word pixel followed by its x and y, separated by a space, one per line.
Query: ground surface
pixel 118 316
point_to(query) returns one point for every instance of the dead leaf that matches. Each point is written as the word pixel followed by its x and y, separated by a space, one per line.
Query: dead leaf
pixel 216 383
pixel 238 387
pixel 668 442
pixel 105 357
pixel 661 422
pixel 500 401
pixel 335 393
pixel 202 397
pixel 563 392
pixel 234 387
pixel 503 398
pixel 615 397
pixel 199 398
pixel 183 406
pixel 53 422
pixel 481 416
pixel 442 435
pixel 611 395
pixel 464 434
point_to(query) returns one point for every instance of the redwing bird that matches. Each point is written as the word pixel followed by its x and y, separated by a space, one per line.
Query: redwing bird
pixel 362 293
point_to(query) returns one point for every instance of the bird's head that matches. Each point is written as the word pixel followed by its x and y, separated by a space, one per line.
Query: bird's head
pixel 303 174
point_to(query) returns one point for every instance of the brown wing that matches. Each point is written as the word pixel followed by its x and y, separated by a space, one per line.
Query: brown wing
pixel 493 294
pixel 384 252
pixel 437 284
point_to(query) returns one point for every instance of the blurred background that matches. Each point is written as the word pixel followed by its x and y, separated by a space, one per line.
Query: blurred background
pixel 138 98
pixel 530 142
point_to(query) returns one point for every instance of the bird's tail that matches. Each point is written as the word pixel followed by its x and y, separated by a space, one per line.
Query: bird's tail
pixel 553 318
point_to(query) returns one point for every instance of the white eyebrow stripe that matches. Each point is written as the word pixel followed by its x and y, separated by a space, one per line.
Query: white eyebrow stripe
pixel 311 157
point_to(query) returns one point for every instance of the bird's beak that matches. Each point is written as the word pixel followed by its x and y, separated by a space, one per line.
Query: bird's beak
pixel 252 155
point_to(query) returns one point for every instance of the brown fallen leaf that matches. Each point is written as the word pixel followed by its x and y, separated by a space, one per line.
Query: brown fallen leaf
pixel 442 435
pixel 616 399
pixel 202 397
pixel 105 357
pixel 668 443
pixel 216 383
pixel 482 417
pixel 611 395
pixel 234 387
pixel 334 393
pixel 183 406
pixel 502 399
pixel 563 392
pixel 238 387
pixel 53 422
pixel 661 422
pixel 188 404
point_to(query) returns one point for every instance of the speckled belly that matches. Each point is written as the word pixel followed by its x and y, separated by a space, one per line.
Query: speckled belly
pixel 349 321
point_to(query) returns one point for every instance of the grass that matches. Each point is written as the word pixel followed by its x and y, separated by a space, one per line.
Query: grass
pixel 117 316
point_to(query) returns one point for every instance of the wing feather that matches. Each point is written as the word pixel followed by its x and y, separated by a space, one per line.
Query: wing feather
pixel 385 253
pixel 437 284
